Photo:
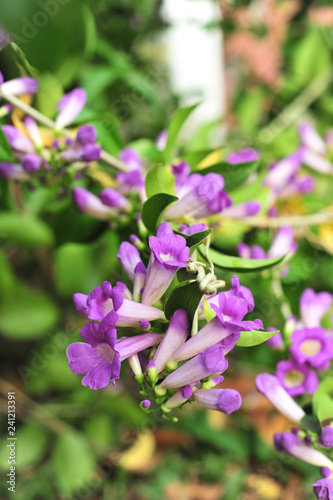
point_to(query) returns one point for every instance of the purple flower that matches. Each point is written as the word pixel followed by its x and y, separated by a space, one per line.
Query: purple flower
pixel 90 204
pixel 86 134
pixel 198 227
pixel 129 258
pixel 290 443
pixel 31 162
pixel 112 198
pixel 162 140
pixel 283 172
pixel 283 243
pixel 104 299
pixel 323 489
pixel 17 140
pixel 84 153
pixel 313 347
pixel 244 155
pixel 311 139
pixel 34 133
pixel 315 161
pixel 131 158
pixel 19 86
pixel 205 198
pixel 224 400
pixel 326 437
pixel 275 342
pixel 13 171
pixel 207 363
pixel 249 208
pixel 272 389
pixel 100 357
pixel 69 106
pixel 296 379
pixel 130 180
pixel 181 172
pixel 168 253
pixel 179 398
pixel 254 252
pixel 174 337
pixel 314 306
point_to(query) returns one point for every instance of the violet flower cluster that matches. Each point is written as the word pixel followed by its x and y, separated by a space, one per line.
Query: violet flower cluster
pixel 310 346
pixel 177 368
pixel 38 157
pixel 309 446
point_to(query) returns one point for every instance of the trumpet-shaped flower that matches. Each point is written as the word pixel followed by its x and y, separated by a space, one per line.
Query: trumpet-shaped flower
pixel 224 400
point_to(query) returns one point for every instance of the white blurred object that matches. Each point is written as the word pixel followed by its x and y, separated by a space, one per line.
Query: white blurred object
pixel 195 58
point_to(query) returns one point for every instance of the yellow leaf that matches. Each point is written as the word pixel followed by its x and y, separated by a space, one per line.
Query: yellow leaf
pixel 211 159
pixel 138 458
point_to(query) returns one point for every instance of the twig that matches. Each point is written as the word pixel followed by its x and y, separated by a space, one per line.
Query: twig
pixel 106 157
pixel 293 220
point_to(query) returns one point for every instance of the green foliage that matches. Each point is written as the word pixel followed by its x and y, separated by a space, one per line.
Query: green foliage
pixel 323 399
pixel 25 230
pixel 254 337
pixel 6 154
pixel 160 180
pixel 239 264
pixel 185 296
pixel 153 209
pixel 175 126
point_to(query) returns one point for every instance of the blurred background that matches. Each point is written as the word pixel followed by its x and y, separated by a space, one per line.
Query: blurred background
pixel 258 67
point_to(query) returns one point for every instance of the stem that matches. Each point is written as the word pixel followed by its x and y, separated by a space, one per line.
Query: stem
pixel 293 220
pixel 292 112
pixel 279 294
pixel 39 117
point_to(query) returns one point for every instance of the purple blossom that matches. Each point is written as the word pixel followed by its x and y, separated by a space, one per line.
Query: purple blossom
pixel 90 204
pixel 175 336
pixel 273 390
pixel 86 134
pixel 168 253
pixel 34 133
pixel 275 342
pixel 162 140
pixel 130 180
pixel 283 172
pixel 17 140
pixel 249 208
pixel 244 155
pixel 104 299
pixel 295 378
pixel 314 306
pixel 112 198
pixel 224 400
pixel 31 162
pixel 69 106
pixel 13 171
pixel 323 489
pixel 131 158
pixel 290 443
pixel 129 258
pixel 179 398
pixel 311 139
pixel 207 363
pixel 205 198
pixel 326 437
pixel 198 227
pixel 19 86
pixel 84 153
pixel 99 358
pixel 313 347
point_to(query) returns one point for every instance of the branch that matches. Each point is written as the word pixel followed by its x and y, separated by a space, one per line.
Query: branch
pixel 293 220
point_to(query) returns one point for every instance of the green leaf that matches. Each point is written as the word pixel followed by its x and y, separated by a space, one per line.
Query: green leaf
pixel 238 264
pixel 185 296
pixel 73 463
pixel 49 93
pixel 160 180
pixel 27 314
pixel 322 401
pixel 194 240
pixel 311 423
pixel 233 175
pixel 25 230
pixel 193 158
pixel 6 153
pixel 153 208
pixel 176 123
pixel 31 445
pixel 254 337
